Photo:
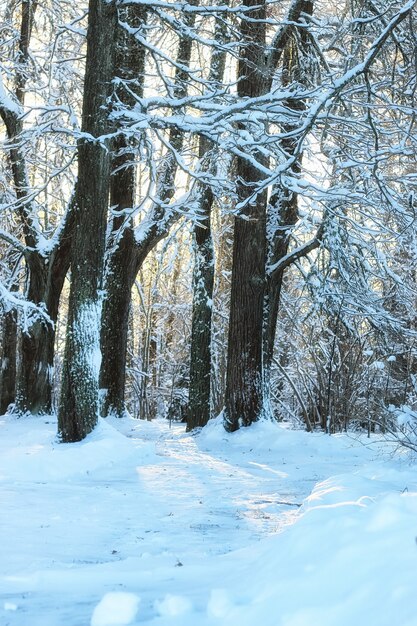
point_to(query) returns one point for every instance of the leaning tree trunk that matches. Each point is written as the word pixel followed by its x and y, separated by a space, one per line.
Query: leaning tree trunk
pixel 244 401
pixel 120 277
pixel 78 409
pixel 122 267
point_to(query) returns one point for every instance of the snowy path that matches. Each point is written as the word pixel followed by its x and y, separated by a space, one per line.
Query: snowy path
pixel 155 514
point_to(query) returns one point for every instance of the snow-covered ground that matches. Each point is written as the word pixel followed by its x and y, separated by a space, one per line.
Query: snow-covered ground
pixel 140 524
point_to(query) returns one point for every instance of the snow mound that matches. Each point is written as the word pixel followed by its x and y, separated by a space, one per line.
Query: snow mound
pixel 352 552
pixel 173 606
pixel 36 456
pixel 219 604
pixel 116 609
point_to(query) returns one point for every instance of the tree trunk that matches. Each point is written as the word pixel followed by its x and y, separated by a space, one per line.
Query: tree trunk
pixel 199 405
pixel 120 277
pixel 284 208
pixel 46 272
pixel 125 260
pixel 36 363
pixel 244 401
pixel 8 361
pixel 203 279
pixel 78 410
pixel 283 205
pixel 34 384
pixel 121 256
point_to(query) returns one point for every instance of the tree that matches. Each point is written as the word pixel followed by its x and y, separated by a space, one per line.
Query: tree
pixel 203 275
pixel 45 252
pixel 78 409
pixel 244 401
pixel 128 246
pixel 366 218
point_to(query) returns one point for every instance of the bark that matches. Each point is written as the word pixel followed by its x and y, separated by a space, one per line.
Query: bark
pixel 36 362
pixel 203 279
pixel 9 342
pixel 244 400
pixel 198 410
pixel 46 272
pixel 78 409
pixel 8 361
pixel 121 257
pixel 123 265
pixel 125 259
pixel 283 205
pixel 120 277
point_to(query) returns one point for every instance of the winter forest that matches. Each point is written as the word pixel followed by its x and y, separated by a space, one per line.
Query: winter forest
pixel 208 238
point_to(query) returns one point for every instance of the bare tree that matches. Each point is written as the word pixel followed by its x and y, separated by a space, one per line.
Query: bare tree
pixel 78 409
pixel 46 254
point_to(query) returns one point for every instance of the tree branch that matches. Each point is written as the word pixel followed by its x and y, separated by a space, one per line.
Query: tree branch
pixel 297 253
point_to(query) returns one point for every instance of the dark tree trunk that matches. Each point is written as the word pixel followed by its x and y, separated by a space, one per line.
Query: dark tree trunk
pixel 199 405
pixel 37 349
pixel 8 361
pixel 46 273
pixel 203 279
pixel 121 256
pixel 283 205
pixel 36 363
pixel 34 384
pixel 124 260
pixel 78 410
pixel 120 277
pixel 244 400
pixel 122 267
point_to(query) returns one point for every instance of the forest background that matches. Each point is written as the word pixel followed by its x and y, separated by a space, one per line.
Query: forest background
pixel 209 207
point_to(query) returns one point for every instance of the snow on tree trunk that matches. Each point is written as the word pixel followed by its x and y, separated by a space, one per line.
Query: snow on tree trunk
pixel 203 276
pixel 78 409
pixel 200 365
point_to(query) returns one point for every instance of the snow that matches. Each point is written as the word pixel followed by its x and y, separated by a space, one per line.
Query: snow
pixel 142 524
pixel 86 329
pixel 115 609
pixel 172 605
pixel 6 101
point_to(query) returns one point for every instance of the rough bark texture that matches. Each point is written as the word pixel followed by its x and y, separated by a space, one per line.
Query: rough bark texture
pixel 198 411
pixel 203 279
pixel 283 205
pixel 244 379
pixel 120 276
pixel 78 410
pixel 8 361
pixel 125 259
pixel 46 272
pixel 121 256
pixel 35 370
